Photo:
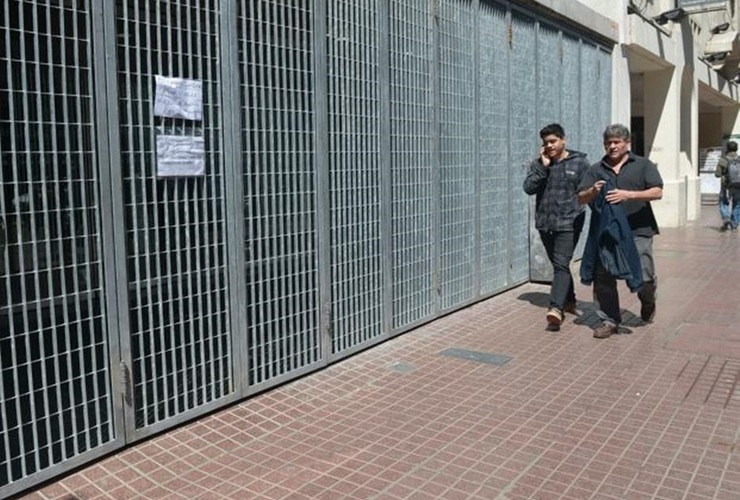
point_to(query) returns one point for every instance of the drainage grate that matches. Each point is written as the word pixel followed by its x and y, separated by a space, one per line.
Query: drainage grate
pixel 712 381
pixel 480 357
pixel 403 367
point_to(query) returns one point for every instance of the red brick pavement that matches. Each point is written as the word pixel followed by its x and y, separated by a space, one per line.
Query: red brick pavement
pixel 652 413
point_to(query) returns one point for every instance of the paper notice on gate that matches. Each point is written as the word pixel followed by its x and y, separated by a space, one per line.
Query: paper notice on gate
pixel 180 156
pixel 178 98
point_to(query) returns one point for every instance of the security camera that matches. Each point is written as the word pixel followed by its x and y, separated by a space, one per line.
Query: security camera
pixel 716 57
pixel 673 15
pixel 721 28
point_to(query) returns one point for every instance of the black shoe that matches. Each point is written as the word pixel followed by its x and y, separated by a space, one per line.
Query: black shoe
pixel 571 306
pixel 647 312
pixel 726 226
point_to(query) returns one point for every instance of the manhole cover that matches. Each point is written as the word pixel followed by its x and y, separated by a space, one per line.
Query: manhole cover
pixel 480 357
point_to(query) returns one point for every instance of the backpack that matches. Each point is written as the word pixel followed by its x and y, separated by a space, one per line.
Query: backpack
pixel 733 173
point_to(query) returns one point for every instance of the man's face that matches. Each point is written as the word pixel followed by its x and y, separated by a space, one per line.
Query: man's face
pixel 553 145
pixel 616 148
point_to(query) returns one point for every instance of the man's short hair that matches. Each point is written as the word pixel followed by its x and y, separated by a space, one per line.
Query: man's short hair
pixel 732 147
pixel 553 129
pixel 617 130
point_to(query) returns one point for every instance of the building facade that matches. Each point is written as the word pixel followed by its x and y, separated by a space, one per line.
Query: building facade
pixel 676 83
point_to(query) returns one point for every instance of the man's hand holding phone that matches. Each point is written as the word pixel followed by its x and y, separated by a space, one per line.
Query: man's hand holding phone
pixel 544 158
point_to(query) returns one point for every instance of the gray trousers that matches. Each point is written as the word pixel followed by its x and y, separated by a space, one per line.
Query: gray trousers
pixel 606 297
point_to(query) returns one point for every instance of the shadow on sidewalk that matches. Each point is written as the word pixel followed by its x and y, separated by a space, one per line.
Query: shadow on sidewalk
pixel 586 315
pixel 539 299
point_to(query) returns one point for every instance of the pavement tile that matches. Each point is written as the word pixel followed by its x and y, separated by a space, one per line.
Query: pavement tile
pixel 652 413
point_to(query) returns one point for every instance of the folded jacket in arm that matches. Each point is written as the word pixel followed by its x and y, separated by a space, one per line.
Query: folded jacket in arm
pixel 610 243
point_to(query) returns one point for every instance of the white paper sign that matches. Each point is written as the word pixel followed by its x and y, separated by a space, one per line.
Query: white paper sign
pixel 178 98
pixel 180 156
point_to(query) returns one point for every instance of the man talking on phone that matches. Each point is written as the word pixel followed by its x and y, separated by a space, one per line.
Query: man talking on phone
pixel 554 178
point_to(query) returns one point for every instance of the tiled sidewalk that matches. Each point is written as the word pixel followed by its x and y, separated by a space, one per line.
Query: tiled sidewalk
pixel 651 413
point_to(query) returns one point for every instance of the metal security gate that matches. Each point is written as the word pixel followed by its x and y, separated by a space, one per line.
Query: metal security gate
pixel 356 194
pixel 524 137
pixel 56 399
pixel 351 170
pixel 178 331
pixel 413 163
pixel 457 155
pixel 493 146
pixel 279 174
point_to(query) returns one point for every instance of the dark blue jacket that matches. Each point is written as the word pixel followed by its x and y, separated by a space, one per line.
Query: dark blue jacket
pixel 611 243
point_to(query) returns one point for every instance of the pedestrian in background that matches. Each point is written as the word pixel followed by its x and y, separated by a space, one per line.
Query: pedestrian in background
pixel 637 182
pixel 554 177
pixel 728 170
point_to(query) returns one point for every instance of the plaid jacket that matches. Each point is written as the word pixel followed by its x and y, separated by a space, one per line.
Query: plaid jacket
pixel 556 188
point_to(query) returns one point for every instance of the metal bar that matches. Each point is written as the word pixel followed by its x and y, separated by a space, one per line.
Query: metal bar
pixel 111 251
pixel 73 332
pixel 386 174
pixel 83 229
pixel 234 193
pixel 30 214
pixel 321 160
pixel 477 224
pixel 271 125
pixel 203 379
pixel 200 340
pixel 154 287
pixel 436 165
pixel 509 154
pixel 44 175
pixel 168 199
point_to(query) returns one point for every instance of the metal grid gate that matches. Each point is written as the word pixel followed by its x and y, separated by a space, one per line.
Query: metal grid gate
pixel 570 107
pixel 415 187
pixel 549 70
pixel 277 123
pixel 493 143
pixel 178 330
pixel 458 169
pixel 355 194
pixel 524 137
pixel 372 182
pixel 55 387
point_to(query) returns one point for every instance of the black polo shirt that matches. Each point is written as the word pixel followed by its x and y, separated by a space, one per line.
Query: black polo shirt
pixel 637 174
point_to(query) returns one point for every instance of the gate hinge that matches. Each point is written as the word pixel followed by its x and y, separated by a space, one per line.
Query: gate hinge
pixel 125 382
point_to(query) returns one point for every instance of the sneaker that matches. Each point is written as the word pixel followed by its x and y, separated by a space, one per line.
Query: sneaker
pixel 605 331
pixel 570 307
pixel 647 312
pixel 726 226
pixel 554 319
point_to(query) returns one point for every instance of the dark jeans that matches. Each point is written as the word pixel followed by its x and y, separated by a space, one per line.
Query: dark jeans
pixel 560 246
pixel 605 285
